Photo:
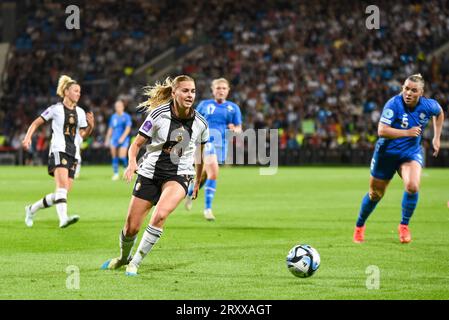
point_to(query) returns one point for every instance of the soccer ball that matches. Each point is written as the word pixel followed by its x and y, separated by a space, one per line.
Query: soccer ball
pixel 303 260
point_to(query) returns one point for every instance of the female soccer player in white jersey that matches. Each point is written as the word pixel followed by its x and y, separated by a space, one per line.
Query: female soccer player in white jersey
pixel 398 149
pixel 67 120
pixel 174 130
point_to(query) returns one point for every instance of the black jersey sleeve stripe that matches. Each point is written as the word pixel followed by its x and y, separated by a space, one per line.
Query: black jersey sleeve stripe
pixel 43 118
pixel 83 127
pixel 201 118
pixel 159 110
pixel 144 135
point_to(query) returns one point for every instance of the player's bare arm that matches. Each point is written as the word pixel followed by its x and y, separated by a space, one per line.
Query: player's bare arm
pixel 437 128
pixel 132 156
pixel 385 131
pixel 26 142
pixel 90 125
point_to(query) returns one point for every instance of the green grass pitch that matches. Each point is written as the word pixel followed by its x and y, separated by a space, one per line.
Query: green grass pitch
pixel 239 256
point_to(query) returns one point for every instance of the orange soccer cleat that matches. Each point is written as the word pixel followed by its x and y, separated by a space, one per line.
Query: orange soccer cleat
pixel 359 234
pixel 404 233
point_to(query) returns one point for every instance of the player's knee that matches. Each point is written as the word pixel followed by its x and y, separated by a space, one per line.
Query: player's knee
pixel 130 229
pixel 159 220
pixel 212 176
pixel 412 187
pixel 375 195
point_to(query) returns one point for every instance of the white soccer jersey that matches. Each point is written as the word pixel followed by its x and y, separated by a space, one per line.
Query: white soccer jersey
pixel 172 143
pixel 65 126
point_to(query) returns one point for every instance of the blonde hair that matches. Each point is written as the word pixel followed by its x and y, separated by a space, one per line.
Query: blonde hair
pixel 417 78
pixel 216 81
pixel 64 83
pixel 161 93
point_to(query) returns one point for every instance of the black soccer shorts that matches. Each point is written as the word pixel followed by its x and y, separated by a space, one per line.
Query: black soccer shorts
pixel 151 189
pixel 62 160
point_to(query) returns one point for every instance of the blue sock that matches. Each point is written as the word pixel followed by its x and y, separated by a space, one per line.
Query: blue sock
pixel 115 165
pixel 409 201
pixel 124 161
pixel 365 210
pixel 209 192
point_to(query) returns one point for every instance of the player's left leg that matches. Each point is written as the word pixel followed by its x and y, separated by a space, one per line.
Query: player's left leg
pixel 172 194
pixel 411 176
pixel 63 184
pixel 210 186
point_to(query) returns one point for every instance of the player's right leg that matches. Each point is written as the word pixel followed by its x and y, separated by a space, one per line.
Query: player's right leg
pixel 382 170
pixel 30 210
pixel 137 212
pixel 377 189
pixel 172 194
pixel 115 162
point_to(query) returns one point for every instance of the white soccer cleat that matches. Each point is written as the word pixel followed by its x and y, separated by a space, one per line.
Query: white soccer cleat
pixel 131 270
pixel 115 177
pixel 188 203
pixel 209 215
pixel 28 216
pixel 71 220
pixel 113 264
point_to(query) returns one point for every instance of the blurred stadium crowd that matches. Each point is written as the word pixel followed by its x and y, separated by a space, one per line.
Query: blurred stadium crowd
pixel 311 69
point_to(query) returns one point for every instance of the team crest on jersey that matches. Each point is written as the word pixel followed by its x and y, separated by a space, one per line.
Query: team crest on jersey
pixel 422 117
pixel 180 134
pixel 71 119
pixel 388 113
pixel 230 109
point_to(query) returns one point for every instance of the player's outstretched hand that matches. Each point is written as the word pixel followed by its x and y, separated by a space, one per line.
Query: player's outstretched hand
pixel 196 188
pixel 414 132
pixel 129 172
pixel 436 146
pixel 26 143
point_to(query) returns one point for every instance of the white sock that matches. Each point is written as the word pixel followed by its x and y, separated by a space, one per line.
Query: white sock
pixel 45 202
pixel 149 239
pixel 61 205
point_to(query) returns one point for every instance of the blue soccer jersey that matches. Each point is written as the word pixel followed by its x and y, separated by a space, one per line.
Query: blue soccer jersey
pixel 391 153
pixel 219 116
pixel 119 125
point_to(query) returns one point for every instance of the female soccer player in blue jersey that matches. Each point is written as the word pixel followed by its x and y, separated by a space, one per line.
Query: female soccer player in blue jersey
pixel 117 137
pixel 221 115
pixel 398 149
